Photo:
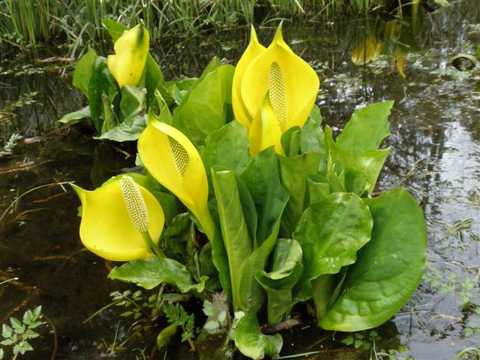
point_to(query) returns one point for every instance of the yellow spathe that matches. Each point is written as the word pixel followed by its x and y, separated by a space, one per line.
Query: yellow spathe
pixel 175 163
pixel 254 49
pixel 265 130
pixel 106 228
pixel 131 52
pixel 290 83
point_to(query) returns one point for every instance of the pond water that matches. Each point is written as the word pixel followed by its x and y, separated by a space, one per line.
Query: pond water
pixel 435 144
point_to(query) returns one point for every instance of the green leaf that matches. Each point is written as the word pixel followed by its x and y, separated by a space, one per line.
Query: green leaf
pixel 204 110
pixel 154 271
pixel 353 172
pixel 101 82
pixel 388 269
pixel 262 179
pixel 278 283
pixel 17 325
pixel 132 102
pixel 76 116
pixel 114 28
pixel 330 233
pixel 7 331
pixel 294 171
pixel 109 119
pixel 355 156
pixel 291 141
pixel 128 130
pixel 312 138
pixel 251 295
pixel 366 129
pixel 166 335
pixel 2 354
pixel 83 71
pixel 154 80
pixel 227 148
pixel 234 229
pixel 252 342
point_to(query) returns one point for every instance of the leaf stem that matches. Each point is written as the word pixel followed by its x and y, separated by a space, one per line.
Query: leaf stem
pixel 155 248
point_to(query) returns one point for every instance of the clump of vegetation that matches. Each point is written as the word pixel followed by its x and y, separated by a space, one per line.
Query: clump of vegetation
pixel 28 23
pixel 245 202
pixel 17 335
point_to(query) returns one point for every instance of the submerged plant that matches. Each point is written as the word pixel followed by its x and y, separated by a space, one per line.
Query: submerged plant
pixel 280 212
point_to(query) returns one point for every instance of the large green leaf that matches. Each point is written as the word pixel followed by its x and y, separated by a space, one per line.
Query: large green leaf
pixel 154 271
pixel 353 171
pixel 366 129
pixel 262 179
pixel 128 130
pixel 204 110
pixel 295 171
pixel 251 295
pixel 234 229
pixel 252 342
pixel 132 102
pixel 355 156
pixel 330 233
pixel 278 283
pixel 388 269
pixel 76 116
pixel 83 71
pixel 227 148
pixel 101 83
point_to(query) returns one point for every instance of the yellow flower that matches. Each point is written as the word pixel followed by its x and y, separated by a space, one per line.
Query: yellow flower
pixel 265 130
pixel 289 82
pixel 114 218
pixel 254 49
pixel 367 51
pixel 175 163
pixel 131 52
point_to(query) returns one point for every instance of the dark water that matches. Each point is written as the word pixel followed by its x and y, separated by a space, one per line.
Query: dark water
pixel 436 155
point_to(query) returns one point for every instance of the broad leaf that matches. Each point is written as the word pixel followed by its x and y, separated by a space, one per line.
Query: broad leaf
pixel 132 102
pixel 234 229
pixel 76 116
pixel 388 269
pixel 250 340
pixel 83 71
pixel 101 82
pixel 154 271
pixel 227 148
pixel 355 156
pixel 366 129
pixel 128 130
pixel 251 295
pixel 262 179
pixel 294 173
pixel 354 171
pixel 278 283
pixel 205 108
pixel 311 136
pixel 330 233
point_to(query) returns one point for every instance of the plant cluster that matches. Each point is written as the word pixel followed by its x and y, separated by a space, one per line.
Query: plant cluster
pixel 18 334
pixel 243 192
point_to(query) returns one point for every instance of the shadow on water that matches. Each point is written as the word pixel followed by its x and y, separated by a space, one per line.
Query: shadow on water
pixel 435 153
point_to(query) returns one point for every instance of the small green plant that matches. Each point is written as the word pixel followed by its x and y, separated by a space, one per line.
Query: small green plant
pixel 177 317
pixel 18 334
pixel 363 340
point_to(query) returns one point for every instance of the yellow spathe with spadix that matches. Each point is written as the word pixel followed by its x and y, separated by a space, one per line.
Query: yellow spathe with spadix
pixel 172 159
pixel 290 84
pixel 114 217
pixel 131 52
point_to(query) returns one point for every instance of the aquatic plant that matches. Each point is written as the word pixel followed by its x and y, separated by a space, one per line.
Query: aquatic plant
pixel 269 218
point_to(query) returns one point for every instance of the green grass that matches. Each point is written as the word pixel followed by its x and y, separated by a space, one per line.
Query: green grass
pixel 30 23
